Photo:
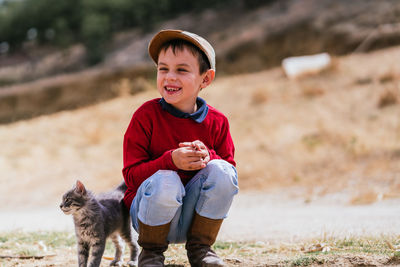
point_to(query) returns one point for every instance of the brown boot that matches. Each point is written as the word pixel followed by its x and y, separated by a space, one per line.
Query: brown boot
pixel 201 235
pixel 153 240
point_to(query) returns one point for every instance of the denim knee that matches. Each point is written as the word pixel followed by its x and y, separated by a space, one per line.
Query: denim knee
pixel 165 189
pixel 219 185
pixel 159 198
pixel 223 177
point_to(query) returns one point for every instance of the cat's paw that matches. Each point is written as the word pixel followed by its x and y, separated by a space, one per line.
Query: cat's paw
pixel 132 263
pixel 116 263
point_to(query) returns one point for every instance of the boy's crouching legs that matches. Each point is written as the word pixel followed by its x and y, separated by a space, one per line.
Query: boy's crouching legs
pixel 155 204
pixel 153 240
pixel 215 199
pixel 200 237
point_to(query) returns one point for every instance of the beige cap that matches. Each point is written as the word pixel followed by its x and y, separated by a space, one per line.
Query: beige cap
pixel 166 35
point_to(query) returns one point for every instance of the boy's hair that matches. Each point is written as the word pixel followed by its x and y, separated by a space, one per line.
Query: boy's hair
pixel 179 44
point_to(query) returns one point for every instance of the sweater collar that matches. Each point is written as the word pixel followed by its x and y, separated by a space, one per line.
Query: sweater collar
pixel 198 116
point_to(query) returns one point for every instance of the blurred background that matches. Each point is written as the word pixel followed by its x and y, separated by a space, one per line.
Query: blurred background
pixel 72 72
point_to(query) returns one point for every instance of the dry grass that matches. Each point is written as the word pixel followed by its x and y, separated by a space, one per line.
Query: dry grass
pixel 59 249
pixel 389 76
pixel 260 97
pixel 312 90
pixel 321 134
pixel 365 196
pixel 390 96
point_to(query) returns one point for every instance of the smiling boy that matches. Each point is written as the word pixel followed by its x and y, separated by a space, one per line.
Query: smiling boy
pixel 179 156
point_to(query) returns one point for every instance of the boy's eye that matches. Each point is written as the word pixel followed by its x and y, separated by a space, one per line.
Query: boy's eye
pixel 162 69
pixel 182 70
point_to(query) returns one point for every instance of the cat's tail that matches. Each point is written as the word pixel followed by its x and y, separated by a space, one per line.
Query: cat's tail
pixel 122 187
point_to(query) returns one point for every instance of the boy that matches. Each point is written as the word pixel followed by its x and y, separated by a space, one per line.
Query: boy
pixel 178 156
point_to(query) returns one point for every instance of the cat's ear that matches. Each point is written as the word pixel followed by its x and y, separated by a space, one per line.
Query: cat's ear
pixel 80 188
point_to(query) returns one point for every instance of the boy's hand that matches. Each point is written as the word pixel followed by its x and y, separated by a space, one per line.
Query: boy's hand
pixel 191 156
pixel 199 146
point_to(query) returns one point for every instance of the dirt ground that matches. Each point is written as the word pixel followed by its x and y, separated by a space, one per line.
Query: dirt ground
pixel 67 258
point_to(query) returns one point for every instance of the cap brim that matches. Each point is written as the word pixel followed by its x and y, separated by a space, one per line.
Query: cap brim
pixel 166 35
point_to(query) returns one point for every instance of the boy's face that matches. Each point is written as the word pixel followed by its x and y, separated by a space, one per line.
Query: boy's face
pixel 179 80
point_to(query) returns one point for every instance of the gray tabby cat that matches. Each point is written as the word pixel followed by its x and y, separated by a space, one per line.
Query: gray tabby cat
pixel 95 219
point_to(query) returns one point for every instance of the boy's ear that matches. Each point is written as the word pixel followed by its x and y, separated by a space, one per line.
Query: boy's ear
pixel 208 78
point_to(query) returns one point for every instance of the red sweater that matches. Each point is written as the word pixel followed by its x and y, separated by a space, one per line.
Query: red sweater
pixel 154 133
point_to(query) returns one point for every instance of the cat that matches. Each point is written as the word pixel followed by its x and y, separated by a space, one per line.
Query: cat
pixel 97 218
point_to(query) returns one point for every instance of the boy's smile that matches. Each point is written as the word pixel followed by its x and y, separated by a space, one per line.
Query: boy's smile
pixel 178 79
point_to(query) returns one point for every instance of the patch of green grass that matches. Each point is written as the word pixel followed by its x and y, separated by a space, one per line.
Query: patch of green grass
pixel 366 245
pixel 312 141
pixel 395 258
pixel 219 245
pixel 27 252
pixel 50 239
pixel 345 243
pixel 19 243
pixel 110 248
pixel 305 261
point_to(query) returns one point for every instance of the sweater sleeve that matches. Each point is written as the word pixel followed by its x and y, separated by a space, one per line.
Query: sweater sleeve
pixel 224 147
pixel 138 165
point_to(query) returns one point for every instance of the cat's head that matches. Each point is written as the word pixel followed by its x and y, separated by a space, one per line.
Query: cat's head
pixel 74 199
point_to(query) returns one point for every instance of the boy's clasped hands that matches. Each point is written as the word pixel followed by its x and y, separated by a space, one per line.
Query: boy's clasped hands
pixel 191 156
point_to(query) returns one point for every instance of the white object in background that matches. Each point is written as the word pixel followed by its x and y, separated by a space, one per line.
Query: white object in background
pixel 298 66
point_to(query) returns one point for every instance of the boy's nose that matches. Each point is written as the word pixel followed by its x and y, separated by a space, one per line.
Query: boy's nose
pixel 170 76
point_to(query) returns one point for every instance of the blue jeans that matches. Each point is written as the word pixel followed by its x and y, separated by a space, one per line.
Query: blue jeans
pixel 162 198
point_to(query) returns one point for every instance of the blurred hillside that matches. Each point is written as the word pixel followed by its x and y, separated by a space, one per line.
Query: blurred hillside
pixel 247 35
pixel 336 135
pixel 37 70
